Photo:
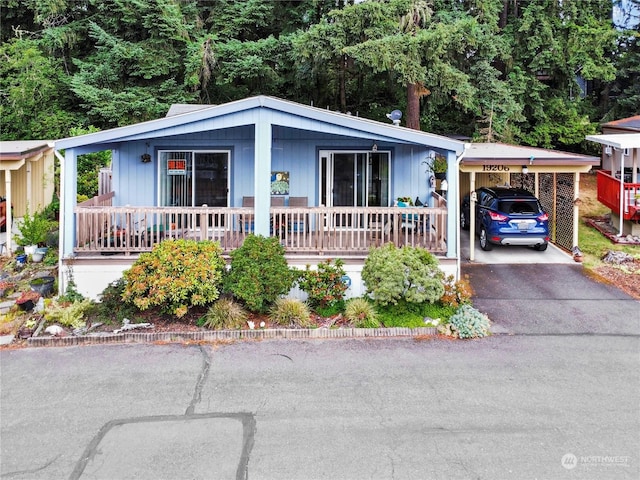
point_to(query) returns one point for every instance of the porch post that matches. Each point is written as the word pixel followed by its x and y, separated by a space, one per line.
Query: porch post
pixel 453 179
pixel 262 173
pixel 576 207
pixel 8 213
pixel 68 192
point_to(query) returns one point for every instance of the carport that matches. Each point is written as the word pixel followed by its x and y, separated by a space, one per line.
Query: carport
pixel 552 176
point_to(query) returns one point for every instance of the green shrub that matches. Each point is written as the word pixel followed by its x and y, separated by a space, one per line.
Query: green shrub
pixel 68 314
pixel 468 322
pixel 324 285
pixel 33 229
pixel 361 313
pixel 408 273
pixel 225 314
pixel 290 312
pixel 259 273
pixel 175 275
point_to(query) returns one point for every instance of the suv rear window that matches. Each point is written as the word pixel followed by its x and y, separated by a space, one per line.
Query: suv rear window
pixel 520 207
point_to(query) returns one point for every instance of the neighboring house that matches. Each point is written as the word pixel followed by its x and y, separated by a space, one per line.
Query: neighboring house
pixel 324 183
pixel 619 179
pixel 26 181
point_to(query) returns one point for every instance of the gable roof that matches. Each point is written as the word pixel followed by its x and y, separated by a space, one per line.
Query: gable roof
pixel 281 112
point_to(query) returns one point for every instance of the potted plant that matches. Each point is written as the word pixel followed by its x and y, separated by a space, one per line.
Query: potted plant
pixel 42 285
pixel 27 300
pixel 437 164
pixel 33 231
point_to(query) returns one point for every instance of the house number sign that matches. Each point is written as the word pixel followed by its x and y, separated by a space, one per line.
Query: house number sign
pixel 176 167
pixel 495 168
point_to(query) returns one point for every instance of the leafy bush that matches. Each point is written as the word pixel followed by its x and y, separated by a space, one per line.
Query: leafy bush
pixel 361 313
pixel 456 292
pixel 290 312
pixel 467 322
pixel 33 229
pixel 408 273
pixel 324 286
pixel 259 273
pixel 225 314
pixel 175 275
pixel 68 314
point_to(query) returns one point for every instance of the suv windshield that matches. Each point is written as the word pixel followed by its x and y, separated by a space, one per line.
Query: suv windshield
pixel 519 207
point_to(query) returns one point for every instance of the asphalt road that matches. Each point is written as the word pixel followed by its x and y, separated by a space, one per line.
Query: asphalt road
pixel 554 402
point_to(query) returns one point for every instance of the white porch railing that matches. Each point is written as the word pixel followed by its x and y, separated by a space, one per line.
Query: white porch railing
pixel 310 230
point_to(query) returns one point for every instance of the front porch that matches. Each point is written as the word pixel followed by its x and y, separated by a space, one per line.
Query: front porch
pixel 102 229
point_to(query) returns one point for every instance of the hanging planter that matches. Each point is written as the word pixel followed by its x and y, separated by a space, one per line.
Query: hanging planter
pixel 42 285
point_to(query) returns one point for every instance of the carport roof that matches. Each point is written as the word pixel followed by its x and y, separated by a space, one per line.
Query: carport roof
pixel 617 140
pixel 505 154
pixel 19 149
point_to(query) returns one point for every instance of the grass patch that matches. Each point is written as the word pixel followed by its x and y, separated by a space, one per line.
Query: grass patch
pixel 412 315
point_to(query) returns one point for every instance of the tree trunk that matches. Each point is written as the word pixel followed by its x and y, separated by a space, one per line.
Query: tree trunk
pixel 413 106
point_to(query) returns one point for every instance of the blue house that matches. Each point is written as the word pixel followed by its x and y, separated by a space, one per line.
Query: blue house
pixel 326 183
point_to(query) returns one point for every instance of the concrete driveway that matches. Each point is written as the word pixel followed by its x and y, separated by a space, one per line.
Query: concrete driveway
pixel 550 299
pixel 511 254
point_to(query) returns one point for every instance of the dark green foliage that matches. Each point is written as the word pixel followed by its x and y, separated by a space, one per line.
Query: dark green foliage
pixel 324 285
pixel 408 273
pixel 175 275
pixel 490 69
pixel 331 310
pixel 259 273
pixel 405 314
pixel 111 308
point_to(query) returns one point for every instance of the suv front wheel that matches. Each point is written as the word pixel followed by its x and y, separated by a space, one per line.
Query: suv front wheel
pixel 484 240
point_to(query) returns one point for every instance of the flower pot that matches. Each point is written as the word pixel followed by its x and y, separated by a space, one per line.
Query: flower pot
pixel 26 306
pixel 30 249
pixel 21 259
pixel 42 285
pixel 37 257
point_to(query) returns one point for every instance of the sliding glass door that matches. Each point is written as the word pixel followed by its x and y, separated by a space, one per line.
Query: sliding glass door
pixel 354 179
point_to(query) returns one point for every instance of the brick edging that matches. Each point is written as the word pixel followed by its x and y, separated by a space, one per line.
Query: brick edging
pixel 214 335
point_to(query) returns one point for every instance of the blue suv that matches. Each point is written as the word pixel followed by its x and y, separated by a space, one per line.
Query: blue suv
pixel 507 216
